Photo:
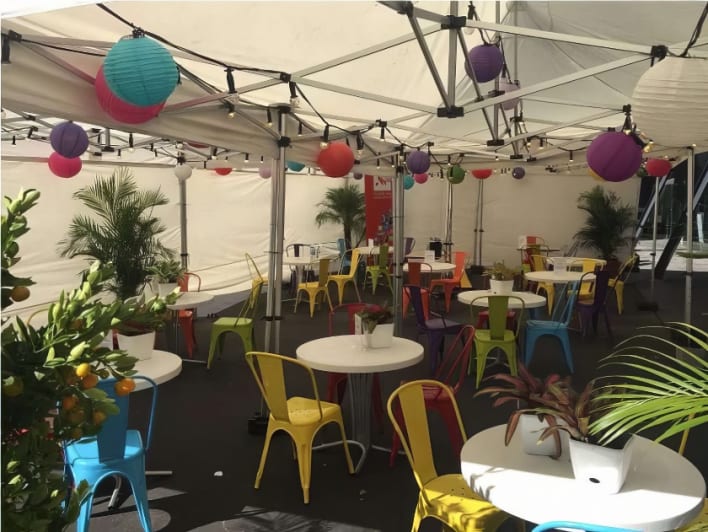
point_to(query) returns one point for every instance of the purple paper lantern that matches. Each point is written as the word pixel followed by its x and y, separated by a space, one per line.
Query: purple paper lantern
pixel 69 140
pixel 508 87
pixel 518 172
pixel 420 178
pixel 614 156
pixel 418 162
pixel 357 176
pixel 487 62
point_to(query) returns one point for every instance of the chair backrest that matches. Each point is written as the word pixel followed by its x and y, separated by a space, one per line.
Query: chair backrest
pixel 586 265
pixel 324 273
pixel 253 269
pixel 581 527
pixel 111 439
pixel 248 309
pixel 415 432
pixel 566 313
pixel 268 370
pixel 408 245
pixel 498 306
pixel 354 262
pixel 416 300
pixel 295 250
pixel 383 256
pixel 626 268
pixel 341 246
pixel 414 272
pixel 334 325
pixel 452 370
pixel 185 281
pixel 602 280
pixel 460 258
pixel 538 263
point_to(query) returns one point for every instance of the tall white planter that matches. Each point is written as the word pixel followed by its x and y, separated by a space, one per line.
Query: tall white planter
pixel 139 346
pixel 530 428
pixel 381 337
pixel 600 468
pixel 501 287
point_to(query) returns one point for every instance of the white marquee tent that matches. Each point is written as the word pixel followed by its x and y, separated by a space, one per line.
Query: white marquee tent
pixel 358 65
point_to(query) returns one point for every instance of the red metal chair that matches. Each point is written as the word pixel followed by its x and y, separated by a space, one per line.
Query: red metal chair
pixel 451 371
pixel 337 382
pixel 450 283
pixel 186 317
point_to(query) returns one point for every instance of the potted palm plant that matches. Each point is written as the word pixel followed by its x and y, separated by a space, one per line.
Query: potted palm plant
pixel 346 206
pixel 501 278
pixel 606 225
pixel 376 325
pixel 123 230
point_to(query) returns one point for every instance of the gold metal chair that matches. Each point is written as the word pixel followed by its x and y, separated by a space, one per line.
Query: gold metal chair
pixel 314 288
pixel 341 279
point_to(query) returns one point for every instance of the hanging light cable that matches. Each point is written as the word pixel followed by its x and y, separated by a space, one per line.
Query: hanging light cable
pixel 131 146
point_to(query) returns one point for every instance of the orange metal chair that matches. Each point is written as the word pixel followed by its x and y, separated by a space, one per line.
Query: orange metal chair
pixel 415 271
pixel 450 283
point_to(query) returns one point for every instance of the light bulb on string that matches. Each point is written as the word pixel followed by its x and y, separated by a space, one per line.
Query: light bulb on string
pixel 269 117
pixel 299 129
pixel 131 147
pixel 325 138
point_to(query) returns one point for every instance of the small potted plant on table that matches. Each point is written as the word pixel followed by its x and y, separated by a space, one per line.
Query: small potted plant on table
pixel 136 335
pixel 376 326
pixel 166 272
pixel 501 278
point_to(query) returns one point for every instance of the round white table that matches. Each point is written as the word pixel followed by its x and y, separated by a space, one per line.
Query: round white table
pixel 372 250
pixel 435 267
pixel 161 367
pixel 531 301
pixel 557 277
pixel 347 354
pixel 663 490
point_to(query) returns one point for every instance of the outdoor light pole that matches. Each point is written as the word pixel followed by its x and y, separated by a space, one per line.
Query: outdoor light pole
pixel 398 246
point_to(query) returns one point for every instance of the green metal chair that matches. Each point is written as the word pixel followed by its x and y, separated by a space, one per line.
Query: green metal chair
pixel 497 336
pixel 378 269
pixel 243 324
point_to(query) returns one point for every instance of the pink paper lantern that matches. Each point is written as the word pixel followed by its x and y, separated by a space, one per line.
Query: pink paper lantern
pixel 482 173
pixel 223 171
pixel 614 156
pixel 420 178
pixel 508 87
pixel 120 110
pixel 63 166
pixel 264 171
pixel 658 167
pixel 336 160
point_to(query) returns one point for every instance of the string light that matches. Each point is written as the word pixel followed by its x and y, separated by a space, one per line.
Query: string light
pixel 570 156
pixel 179 145
pixel 14 140
pixel 245 158
pixel 131 148
pixel 120 152
pixel 378 164
pixel 231 113
pixel 359 144
pixel 325 138
pixel 269 117
pixel 299 129
pixel 294 100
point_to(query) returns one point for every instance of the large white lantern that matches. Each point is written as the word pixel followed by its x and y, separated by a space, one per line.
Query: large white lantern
pixel 670 102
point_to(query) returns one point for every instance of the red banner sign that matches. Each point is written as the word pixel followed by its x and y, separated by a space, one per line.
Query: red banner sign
pixel 378 192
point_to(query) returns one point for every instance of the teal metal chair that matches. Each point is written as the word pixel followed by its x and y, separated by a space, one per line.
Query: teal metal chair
pixel 558 328
pixel 582 527
pixel 497 336
pixel 114 451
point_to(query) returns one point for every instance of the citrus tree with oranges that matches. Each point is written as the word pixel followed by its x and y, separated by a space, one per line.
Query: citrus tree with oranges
pixel 49 377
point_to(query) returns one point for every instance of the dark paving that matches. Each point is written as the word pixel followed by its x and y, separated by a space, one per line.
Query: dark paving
pixel 201 434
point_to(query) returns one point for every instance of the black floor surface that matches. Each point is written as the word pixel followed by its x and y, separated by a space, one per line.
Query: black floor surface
pixel 201 433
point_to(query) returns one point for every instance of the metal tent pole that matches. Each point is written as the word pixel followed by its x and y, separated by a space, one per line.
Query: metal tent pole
pixel 655 225
pixel 183 253
pixel 690 169
pixel 448 224
pixel 480 215
pixel 398 246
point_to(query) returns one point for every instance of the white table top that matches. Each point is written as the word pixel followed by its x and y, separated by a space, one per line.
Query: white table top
pixel 436 267
pixel 190 300
pixel 662 491
pixel 161 367
pixel 372 250
pixel 530 299
pixel 306 260
pixel 554 276
pixel 347 354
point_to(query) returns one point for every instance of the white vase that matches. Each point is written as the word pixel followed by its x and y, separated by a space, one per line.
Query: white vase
pixel 530 428
pixel 601 469
pixel 139 346
pixel 501 287
pixel 381 337
pixel 165 288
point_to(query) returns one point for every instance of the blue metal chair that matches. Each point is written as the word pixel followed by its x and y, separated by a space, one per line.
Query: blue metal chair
pixel 116 450
pixel 558 328
pixel 345 255
pixel 552 525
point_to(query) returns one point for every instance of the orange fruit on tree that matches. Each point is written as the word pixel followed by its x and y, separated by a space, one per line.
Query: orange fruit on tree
pixel 83 369
pixel 69 402
pixel 89 381
pixel 99 417
pixel 124 386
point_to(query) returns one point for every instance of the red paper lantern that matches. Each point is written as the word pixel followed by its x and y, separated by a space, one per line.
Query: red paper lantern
pixel 64 167
pixel 336 160
pixel 658 167
pixel 482 173
pixel 119 109
pixel 223 171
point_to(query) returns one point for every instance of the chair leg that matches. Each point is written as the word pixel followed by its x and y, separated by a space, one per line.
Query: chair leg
pixel 141 501
pixel 216 339
pixel 419 514
pixel 448 288
pixel 340 291
pixel 376 401
pixel 313 299
pixel 619 292
pixel 481 364
pixel 356 290
pixel 304 462
pixel 565 344
pixel 82 524
pixel 347 456
pixel 264 455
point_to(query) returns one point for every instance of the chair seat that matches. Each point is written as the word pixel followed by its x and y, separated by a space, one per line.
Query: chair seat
pixel 439 323
pixel 84 452
pixel 304 411
pixel 232 322
pixel 451 497
pixel 485 335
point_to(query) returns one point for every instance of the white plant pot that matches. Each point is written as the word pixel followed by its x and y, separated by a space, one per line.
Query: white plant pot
pixel 165 288
pixel 381 337
pixel 601 469
pixel 501 287
pixel 531 428
pixel 139 346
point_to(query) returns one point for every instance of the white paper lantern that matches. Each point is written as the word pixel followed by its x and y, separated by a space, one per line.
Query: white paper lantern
pixel 508 87
pixel 670 102
pixel 183 172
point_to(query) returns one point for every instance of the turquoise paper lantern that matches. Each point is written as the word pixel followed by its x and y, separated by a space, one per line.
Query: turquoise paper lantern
pixel 140 71
pixel 294 166
pixel 408 181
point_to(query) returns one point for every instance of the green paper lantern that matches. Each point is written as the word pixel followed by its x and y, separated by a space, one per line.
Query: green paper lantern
pixel 456 174
pixel 140 71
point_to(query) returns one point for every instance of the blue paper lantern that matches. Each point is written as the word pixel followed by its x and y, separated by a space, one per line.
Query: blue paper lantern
pixel 294 166
pixel 408 181
pixel 69 140
pixel 140 71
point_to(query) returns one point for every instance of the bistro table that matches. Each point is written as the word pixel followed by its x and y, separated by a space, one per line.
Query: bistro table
pixel 347 354
pixel 531 301
pixel 435 267
pixel 187 300
pixel 663 490
pixel 558 276
pixel 303 261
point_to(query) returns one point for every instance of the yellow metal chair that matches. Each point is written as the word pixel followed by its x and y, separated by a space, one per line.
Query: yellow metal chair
pixel 497 335
pixel 300 417
pixel 379 268
pixel 256 275
pixel 314 288
pixel 446 498
pixel 243 325
pixel 587 288
pixel 341 279
pixel 617 283
pixel 539 263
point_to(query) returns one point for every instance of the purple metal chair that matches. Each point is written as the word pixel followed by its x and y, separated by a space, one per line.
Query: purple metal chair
pixel 591 310
pixel 435 328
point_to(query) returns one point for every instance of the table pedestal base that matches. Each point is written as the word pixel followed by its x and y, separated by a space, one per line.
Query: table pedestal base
pixel 113 502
